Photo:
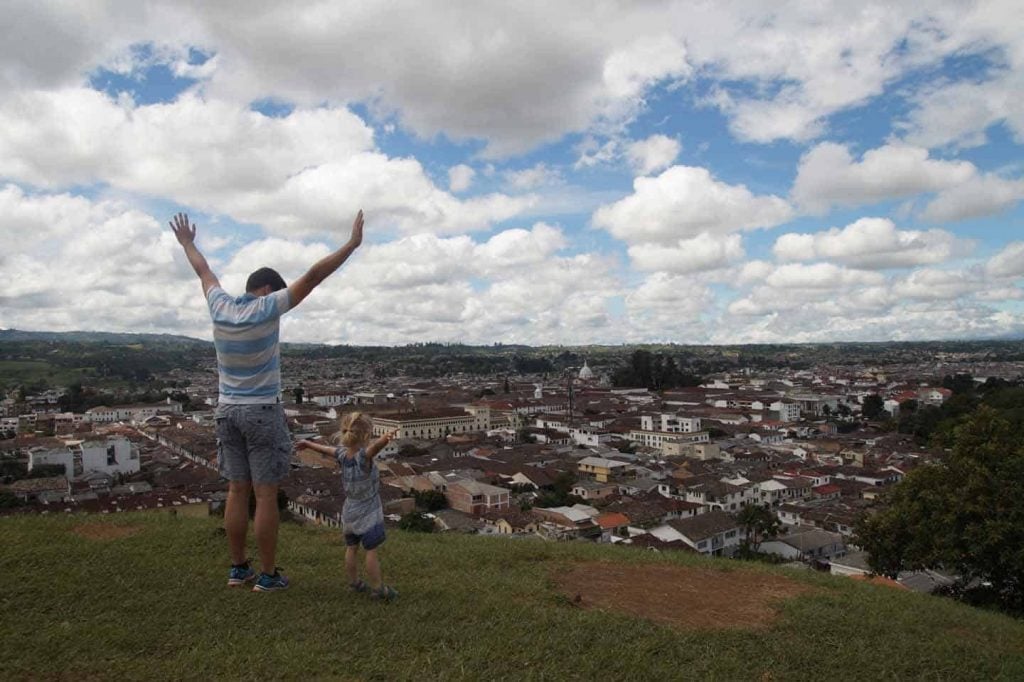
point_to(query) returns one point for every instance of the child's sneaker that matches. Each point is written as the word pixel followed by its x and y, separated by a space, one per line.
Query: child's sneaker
pixel 386 593
pixel 241 574
pixel 359 586
pixel 271 583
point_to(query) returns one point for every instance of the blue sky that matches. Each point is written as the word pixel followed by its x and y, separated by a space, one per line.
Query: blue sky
pixel 726 173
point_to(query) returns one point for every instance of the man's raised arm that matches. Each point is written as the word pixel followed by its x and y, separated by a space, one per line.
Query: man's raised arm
pixel 323 268
pixel 186 235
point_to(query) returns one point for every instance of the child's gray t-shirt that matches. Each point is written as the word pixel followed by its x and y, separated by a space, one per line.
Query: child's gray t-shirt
pixel 361 480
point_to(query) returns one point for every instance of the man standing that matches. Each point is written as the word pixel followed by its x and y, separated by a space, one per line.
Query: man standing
pixel 253 444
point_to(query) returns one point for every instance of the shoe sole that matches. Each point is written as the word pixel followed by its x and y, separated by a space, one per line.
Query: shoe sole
pixel 235 582
pixel 258 588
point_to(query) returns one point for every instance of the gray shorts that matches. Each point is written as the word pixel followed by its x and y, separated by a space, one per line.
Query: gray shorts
pixel 253 443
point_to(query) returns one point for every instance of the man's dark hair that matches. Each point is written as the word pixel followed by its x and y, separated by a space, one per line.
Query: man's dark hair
pixel 262 278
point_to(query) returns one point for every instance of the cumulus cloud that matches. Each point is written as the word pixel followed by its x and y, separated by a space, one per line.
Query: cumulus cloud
pixel 81 264
pixel 829 176
pixel 499 74
pixel 981 196
pixel 534 177
pixel 654 154
pixel 871 243
pixel 961 113
pixel 1009 262
pixel 460 177
pixel 685 201
pixel 703 252
pixel 299 174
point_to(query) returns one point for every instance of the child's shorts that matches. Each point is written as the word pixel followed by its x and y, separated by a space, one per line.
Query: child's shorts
pixel 371 539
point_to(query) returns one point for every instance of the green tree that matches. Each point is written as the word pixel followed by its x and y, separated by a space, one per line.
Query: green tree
pixel 758 523
pixel 430 500
pixel 873 406
pixel 9 500
pixel 964 515
pixel 417 521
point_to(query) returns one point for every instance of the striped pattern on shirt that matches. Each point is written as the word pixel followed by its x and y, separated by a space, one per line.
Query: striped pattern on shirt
pixel 246 331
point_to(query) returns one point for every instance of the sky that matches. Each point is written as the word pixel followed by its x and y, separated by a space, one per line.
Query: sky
pixel 530 172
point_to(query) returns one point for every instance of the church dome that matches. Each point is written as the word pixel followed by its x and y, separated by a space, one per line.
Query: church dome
pixel 586 372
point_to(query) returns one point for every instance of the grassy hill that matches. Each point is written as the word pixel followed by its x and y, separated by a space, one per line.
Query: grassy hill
pixel 143 596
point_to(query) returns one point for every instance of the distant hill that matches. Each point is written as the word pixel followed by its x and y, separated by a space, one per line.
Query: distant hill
pixel 11 335
pixel 143 596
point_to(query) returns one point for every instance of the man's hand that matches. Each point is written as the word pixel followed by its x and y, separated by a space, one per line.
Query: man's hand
pixel 322 269
pixel 357 230
pixel 184 232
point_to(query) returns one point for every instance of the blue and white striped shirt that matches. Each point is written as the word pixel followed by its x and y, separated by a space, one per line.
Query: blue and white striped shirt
pixel 246 332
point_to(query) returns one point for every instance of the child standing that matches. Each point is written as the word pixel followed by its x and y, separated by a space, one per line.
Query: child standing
pixel 362 513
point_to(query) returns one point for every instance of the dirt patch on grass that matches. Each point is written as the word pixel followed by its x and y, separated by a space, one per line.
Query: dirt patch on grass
pixel 683 597
pixel 103 531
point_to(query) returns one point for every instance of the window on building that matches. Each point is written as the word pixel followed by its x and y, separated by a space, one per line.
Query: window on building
pixel 111 456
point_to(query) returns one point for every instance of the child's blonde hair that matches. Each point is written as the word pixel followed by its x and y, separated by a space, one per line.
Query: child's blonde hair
pixel 359 425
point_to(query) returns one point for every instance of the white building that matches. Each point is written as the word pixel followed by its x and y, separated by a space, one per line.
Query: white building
pixel 789 411
pixel 659 439
pixel 113 456
pixel 130 413
pixel 328 400
pixel 715 532
pixel 669 423
pixel 432 425
pixel 53 457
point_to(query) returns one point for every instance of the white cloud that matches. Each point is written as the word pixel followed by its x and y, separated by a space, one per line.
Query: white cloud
pixel 703 252
pixel 981 196
pixel 666 307
pixel 1009 262
pixel 829 176
pixel 930 284
pixel 654 154
pixel 500 74
pixel 299 174
pixel 460 177
pixel 871 243
pixel 531 178
pixel 82 264
pixel 820 276
pixel 685 201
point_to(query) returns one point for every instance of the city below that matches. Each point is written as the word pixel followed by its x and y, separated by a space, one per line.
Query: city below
pixel 664 447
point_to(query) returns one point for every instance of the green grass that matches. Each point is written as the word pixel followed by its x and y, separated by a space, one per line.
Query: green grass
pixel 30 372
pixel 154 606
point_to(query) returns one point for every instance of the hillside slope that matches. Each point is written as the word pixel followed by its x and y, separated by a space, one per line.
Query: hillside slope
pixel 143 596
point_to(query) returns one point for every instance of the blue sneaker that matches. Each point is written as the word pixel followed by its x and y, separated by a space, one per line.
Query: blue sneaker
pixel 239 575
pixel 271 583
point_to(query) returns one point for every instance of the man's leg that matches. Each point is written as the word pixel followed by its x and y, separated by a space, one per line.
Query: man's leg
pixel 267 521
pixel 236 519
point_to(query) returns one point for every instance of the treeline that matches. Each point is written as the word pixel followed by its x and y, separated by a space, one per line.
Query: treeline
pixel 653 371
pixel 937 424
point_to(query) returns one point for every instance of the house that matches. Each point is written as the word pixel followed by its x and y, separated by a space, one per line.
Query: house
pixel 716 533
pixel 576 521
pixel 29 489
pixel 601 469
pixel 592 490
pixel 474 497
pixel 510 521
pixel 805 544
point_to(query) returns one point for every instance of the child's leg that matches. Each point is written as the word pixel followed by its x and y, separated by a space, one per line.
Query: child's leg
pixel 373 569
pixel 351 563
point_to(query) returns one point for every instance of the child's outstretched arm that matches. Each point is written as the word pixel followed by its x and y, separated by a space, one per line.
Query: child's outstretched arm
pixel 319 447
pixel 379 444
